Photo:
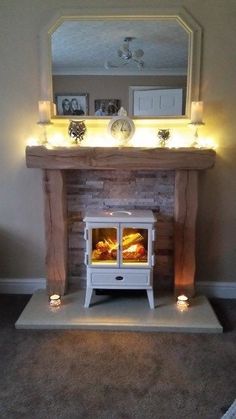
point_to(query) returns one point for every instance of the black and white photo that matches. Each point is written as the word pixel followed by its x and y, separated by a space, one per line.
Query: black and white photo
pixel 69 104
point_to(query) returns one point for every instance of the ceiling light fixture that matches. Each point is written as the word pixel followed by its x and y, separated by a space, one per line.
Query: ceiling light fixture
pixel 127 55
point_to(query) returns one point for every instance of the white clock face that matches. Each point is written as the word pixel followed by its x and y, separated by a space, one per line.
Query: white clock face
pixel 121 128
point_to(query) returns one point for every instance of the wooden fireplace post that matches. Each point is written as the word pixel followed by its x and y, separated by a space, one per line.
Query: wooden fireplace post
pixel 185 214
pixel 55 231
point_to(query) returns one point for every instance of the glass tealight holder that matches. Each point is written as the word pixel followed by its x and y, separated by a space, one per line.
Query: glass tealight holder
pixel 55 300
pixel 182 302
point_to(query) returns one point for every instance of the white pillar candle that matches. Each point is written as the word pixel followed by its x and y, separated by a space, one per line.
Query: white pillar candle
pixel 44 111
pixel 196 112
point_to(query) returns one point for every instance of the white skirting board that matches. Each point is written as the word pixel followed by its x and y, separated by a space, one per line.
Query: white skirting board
pixel 215 289
pixel 21 285
pixel 30 285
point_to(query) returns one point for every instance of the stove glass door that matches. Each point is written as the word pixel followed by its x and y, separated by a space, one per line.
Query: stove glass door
pixel 134 246
pixel 104 243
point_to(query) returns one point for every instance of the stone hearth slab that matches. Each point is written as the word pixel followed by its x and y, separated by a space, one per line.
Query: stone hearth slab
pixel 119 312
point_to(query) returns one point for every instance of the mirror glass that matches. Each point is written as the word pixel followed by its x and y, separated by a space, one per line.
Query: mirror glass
pixel 99 66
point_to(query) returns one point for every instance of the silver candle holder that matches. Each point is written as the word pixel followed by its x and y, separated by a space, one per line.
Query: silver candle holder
pixel 44 126
pixel 196 126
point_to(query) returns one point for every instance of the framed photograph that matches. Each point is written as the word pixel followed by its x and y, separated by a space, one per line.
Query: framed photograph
pixel 106 107
pixel 72 104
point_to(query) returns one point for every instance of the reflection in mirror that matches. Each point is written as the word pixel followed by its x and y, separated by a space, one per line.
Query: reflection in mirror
pixel 142 65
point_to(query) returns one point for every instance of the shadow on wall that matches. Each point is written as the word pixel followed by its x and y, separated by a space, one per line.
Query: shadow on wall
pixel 19 258
pixel 216 220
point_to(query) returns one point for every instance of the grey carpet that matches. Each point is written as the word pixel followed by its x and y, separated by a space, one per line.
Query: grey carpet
pixel 120 375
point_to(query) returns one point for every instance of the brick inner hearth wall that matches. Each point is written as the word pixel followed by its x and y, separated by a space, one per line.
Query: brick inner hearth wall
pixel 101 189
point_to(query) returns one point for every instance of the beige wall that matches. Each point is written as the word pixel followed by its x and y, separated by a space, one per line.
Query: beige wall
pixel 111 87
pixel 21 200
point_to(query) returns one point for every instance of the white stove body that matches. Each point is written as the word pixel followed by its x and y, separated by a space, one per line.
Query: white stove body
pixel 119 251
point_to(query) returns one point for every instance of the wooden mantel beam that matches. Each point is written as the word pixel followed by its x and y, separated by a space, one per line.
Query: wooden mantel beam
pixel 126 158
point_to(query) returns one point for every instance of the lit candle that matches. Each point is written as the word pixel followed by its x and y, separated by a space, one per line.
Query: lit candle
pixel 55 300
pixel 44 111
pixel 196 112
pixel 182 302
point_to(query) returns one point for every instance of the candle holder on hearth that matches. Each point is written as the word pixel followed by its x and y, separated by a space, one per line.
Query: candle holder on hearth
pixel 182 302
pixel 77 130
pixel 55 300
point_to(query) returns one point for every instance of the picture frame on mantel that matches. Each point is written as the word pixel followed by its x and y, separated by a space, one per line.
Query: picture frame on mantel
pixel 71 104
pixel 106 107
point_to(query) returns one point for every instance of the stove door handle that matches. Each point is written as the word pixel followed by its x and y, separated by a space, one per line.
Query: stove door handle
pixel 119 278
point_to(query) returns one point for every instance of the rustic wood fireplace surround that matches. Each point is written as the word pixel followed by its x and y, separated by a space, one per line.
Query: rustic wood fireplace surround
pixel 186 162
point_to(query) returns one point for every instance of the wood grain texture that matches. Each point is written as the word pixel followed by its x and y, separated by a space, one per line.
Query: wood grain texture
pixel 128 158
pixel 186 203
pixel 55 231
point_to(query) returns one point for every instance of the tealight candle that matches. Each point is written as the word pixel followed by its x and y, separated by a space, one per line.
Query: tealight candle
pixel 196 112
pixel 182 302
pixel 55 300
pixel 44 111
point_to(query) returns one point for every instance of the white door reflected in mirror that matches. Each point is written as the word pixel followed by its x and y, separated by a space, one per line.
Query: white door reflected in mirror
pixel 157 102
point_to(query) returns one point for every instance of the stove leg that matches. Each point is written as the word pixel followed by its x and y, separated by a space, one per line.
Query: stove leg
pixel 150 298
pixel 88 296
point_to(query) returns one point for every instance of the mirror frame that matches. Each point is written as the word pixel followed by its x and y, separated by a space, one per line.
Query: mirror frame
pixel 192 28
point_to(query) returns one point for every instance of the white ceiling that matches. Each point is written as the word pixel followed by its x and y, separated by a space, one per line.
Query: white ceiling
pixel 82 47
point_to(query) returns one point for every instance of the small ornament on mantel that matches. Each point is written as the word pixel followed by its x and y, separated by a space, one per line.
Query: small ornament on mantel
pixel 122 112
pixel 163 135
pixel 77 130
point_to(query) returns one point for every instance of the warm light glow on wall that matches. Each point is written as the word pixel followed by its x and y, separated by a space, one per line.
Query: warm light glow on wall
pixel 32 141
pixel 207 142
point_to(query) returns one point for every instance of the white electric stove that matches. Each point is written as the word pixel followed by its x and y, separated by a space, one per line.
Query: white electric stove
pixel 119 251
